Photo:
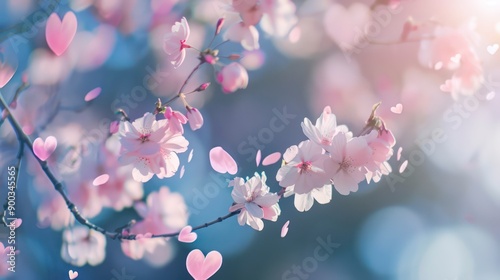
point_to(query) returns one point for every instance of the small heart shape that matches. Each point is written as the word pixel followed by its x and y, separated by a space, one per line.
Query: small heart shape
pixel 72 274
pixel 222 162
pixel 398 109
pixel 186 235
pixel 6 73
pixel 44 149
pixel 456 59
pixel 492 49
pixel 59 34
pixel 201 268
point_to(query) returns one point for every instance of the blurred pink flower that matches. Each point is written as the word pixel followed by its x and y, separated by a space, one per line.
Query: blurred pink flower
pixel 175 42
pixel 195 118
pixel 304 168
pixel 54 212
pixel 279 17
pixel 348 160
pixel 381 143
pixel 82 245
pixel 163 212
pixel 246 35
pixel 151 147
pixel 255 201
pixel 233 77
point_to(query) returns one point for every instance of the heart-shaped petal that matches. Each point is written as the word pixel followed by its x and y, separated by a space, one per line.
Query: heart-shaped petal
pixel 492 49
pixel 271 159
pixel 59 34
pixel 398 109
pixel 72 274
pixel 202 268
pixel 222 162
pixel 186 235
pixel 346 26
pixel 44 149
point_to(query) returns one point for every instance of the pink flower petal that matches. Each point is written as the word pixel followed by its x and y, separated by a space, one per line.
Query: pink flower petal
pixel 222 162
pixel 190 157
pixel 93 94
pixel 258 158
pixel 271 159
pixel 181 173
pixel 6 73
pixel 59 34
pixel 403 166
pixel 201 268
pixel 400 150
pixel 101 180
pixel 284 229
pixel 186 235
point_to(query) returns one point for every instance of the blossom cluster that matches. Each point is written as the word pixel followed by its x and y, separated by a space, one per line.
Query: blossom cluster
pixel 332 155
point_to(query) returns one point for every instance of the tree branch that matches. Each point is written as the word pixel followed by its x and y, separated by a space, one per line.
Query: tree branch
pixel 60 188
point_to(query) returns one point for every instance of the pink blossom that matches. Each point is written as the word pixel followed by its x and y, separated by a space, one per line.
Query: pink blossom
pixel 246 35
pixel 279 17
pixel 304 168
pixel 304 202
pixel 381 143
pixel 233 77
pixel 255 201
pixel 151 146
pixel 195 118
pixel 163 212
pixel 54 212
pixel 325 128
pixel 82 245
pixel 176 120
pixel 175 42
pixel 348 160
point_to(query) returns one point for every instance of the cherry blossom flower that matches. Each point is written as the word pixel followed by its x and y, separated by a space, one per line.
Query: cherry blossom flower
pixel 82 245
pixel 194 117
pixel 304 202
pixel 381 143
pixel 176 120
pixel 325 128
pixel 304 168
pixel 54 212
pixel 151 147
pixel 255 201
pixel 163 212
pixel 348 160
pixel 175 42
pixel 233 77
pixel 246 35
